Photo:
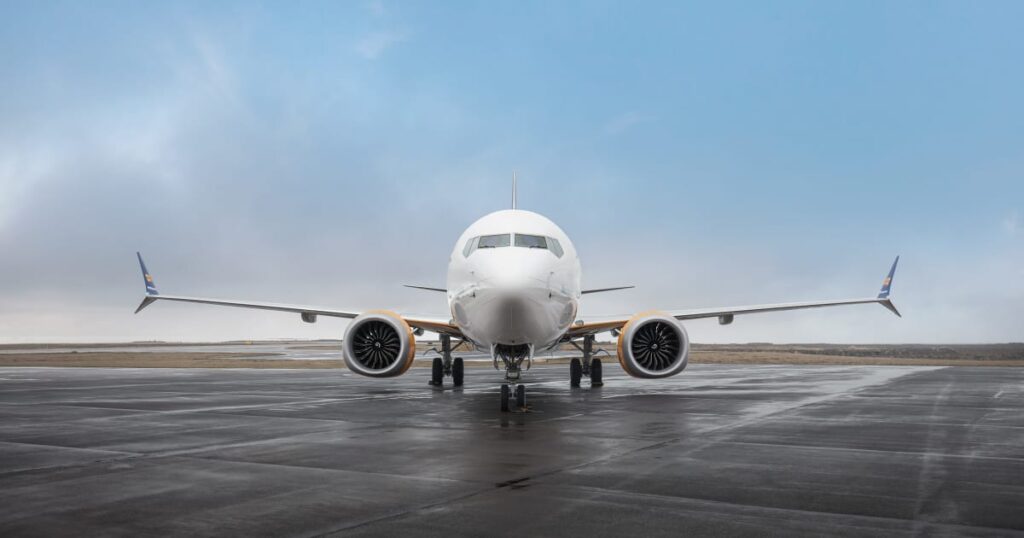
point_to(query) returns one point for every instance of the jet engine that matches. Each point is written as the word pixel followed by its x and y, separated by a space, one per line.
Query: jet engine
pixel 653 345
pixel 379 344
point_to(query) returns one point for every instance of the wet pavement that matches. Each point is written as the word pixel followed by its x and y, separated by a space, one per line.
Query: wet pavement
pixel 720 449
pixel 326 351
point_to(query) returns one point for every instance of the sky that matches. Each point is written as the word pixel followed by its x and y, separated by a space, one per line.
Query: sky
pixel 712 154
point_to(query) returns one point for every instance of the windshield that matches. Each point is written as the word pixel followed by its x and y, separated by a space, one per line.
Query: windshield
pixel 531 241
pixel 493 241
pixel 505 240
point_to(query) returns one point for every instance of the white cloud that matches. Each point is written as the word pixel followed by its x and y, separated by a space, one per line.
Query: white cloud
pixel 373 46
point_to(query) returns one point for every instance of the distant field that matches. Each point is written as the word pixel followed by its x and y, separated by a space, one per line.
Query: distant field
pixel 828 354
pixel 318 344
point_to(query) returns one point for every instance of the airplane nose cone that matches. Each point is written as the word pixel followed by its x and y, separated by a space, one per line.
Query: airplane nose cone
pixel 513 319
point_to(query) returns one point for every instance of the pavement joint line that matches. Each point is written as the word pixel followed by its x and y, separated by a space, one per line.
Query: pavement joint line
pixel 928 479
pixel 216 409
pixel 402 513
pixel 326 469
pixel 911 423
pixel 877 451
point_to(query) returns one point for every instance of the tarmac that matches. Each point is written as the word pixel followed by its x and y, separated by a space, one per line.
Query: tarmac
pixel 720 449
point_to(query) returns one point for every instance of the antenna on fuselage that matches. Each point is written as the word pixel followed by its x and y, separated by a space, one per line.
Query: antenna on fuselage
pixel 513 190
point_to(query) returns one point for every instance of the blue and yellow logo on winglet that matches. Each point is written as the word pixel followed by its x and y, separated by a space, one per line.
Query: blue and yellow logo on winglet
pixel 887 283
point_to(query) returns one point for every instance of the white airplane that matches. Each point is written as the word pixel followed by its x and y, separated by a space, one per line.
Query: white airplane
pixel 514 289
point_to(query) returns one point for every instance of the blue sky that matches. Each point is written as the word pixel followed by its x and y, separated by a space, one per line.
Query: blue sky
pixel 711 154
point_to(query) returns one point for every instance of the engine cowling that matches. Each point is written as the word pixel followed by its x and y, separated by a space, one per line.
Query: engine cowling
pixel 653 345
pixel 379 344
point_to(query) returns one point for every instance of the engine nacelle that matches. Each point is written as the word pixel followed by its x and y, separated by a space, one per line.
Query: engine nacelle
pixel 653 345
pixel 379 344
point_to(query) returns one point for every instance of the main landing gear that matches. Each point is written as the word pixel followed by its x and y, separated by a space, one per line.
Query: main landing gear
pixel 445 365
pixel 589 366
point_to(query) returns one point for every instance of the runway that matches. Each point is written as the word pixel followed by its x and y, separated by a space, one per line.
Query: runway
pixel 720 449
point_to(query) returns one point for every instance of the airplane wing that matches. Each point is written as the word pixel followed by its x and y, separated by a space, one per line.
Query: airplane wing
pixel 725 315
pixel 308 313
pixel 602 290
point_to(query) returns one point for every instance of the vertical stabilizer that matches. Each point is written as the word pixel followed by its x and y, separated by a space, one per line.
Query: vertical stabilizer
pixel 513 190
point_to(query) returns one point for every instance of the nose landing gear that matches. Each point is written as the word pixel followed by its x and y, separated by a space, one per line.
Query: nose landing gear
pixel 512 356
pixel 506 396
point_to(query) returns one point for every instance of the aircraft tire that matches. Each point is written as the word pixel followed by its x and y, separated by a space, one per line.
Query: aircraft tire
pixel 458 371
pixel 575 373
pixel 504 398
pixel 437 372
pixel 595 373
pixel 520 396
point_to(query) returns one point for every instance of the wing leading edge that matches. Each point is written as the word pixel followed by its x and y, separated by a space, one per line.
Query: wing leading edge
pixel 725 315
pixel 308 313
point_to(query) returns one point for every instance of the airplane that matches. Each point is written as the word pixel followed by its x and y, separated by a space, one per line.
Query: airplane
pixel 513 289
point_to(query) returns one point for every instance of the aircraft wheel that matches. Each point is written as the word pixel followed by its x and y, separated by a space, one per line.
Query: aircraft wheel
pixel 520 396
pixel 504 398
pixel 437 373
pixel 595 373
pixel 575 372
pixel 457 372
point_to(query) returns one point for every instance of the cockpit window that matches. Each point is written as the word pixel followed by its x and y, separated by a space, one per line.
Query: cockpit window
pixel 493 241
pixel 470 246
pixel 555 247
pixel 486 241
pixel 531 241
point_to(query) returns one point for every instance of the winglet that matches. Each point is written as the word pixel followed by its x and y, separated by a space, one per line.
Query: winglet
pixel 146 301
pixel 892 308
pixel 151 287
pixel 887 283
pixel 147 278
pixel 883 294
